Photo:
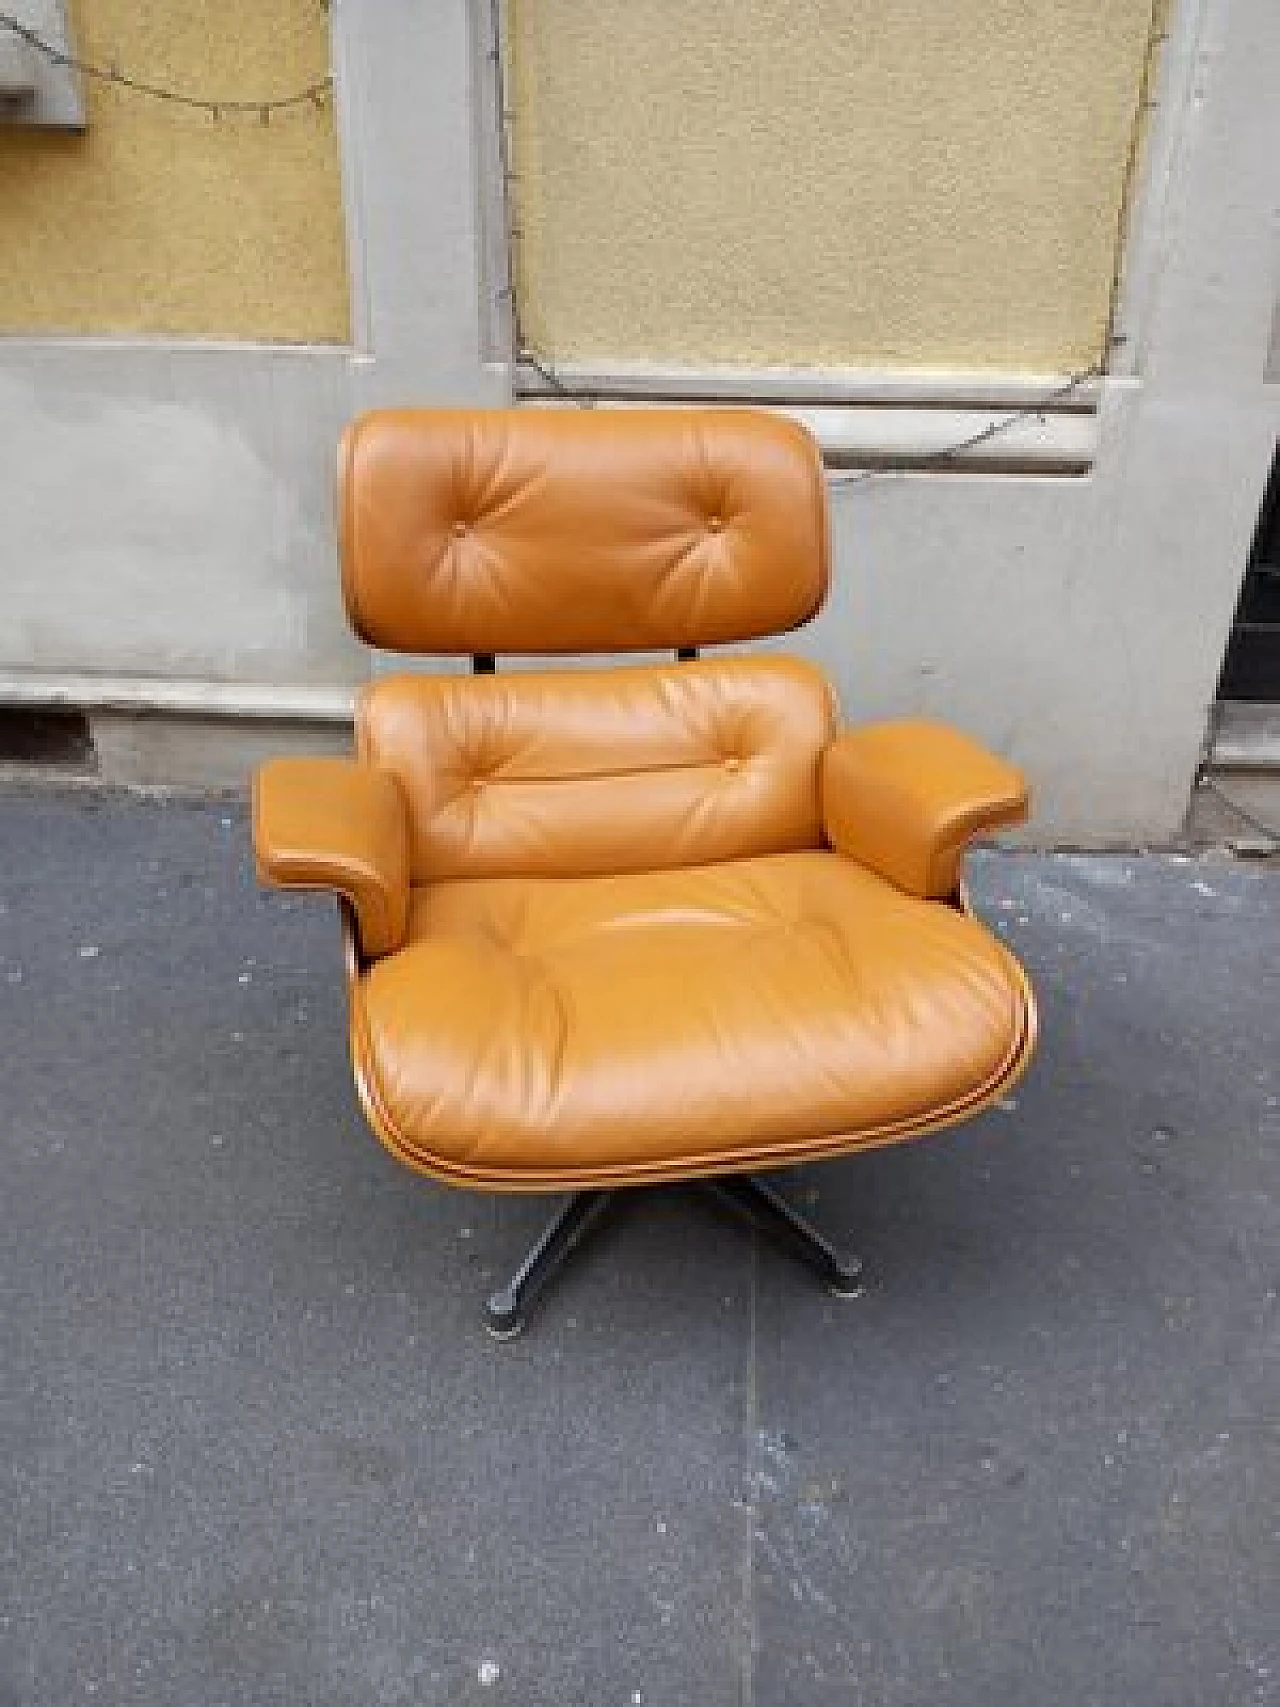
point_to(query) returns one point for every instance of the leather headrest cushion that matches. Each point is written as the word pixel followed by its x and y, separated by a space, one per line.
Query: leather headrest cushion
pixel 555 530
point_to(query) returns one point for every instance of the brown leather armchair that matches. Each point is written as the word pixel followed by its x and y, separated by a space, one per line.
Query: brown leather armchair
pixel 617 926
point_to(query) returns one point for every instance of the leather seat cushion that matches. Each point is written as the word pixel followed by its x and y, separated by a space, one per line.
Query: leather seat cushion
pixel 583 773
pixel 567 1031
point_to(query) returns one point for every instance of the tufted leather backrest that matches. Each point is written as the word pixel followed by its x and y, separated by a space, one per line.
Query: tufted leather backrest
pixel 540 530
pixel 580 772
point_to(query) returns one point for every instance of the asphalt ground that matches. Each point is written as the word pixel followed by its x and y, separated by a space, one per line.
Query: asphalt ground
pixel 257 1449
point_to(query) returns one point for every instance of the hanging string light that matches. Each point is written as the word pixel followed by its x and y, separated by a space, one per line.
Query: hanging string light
pixel 315 94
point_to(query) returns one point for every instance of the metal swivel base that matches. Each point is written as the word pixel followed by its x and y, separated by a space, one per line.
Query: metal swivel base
pixel 507 1309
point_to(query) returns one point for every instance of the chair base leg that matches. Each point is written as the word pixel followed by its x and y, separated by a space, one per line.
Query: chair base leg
pixel 789 1231
pixel 506 1310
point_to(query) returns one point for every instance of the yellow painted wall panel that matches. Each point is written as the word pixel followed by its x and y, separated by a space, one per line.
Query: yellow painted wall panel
pixel 159 220
pixel 921 183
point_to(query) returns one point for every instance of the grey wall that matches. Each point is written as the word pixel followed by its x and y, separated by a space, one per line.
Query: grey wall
pixel 168 509
pixel 168 506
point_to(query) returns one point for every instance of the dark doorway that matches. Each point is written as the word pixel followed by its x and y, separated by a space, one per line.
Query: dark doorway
pixel 1252 667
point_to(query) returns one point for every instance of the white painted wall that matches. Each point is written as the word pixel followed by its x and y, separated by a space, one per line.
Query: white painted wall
pixel 167 512
pixel 167 509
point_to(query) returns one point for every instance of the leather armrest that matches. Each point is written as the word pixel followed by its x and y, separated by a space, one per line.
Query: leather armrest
pixel 336 824
pixel 904 798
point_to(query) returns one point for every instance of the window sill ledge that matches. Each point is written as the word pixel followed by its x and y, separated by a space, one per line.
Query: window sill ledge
pixel 952 422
